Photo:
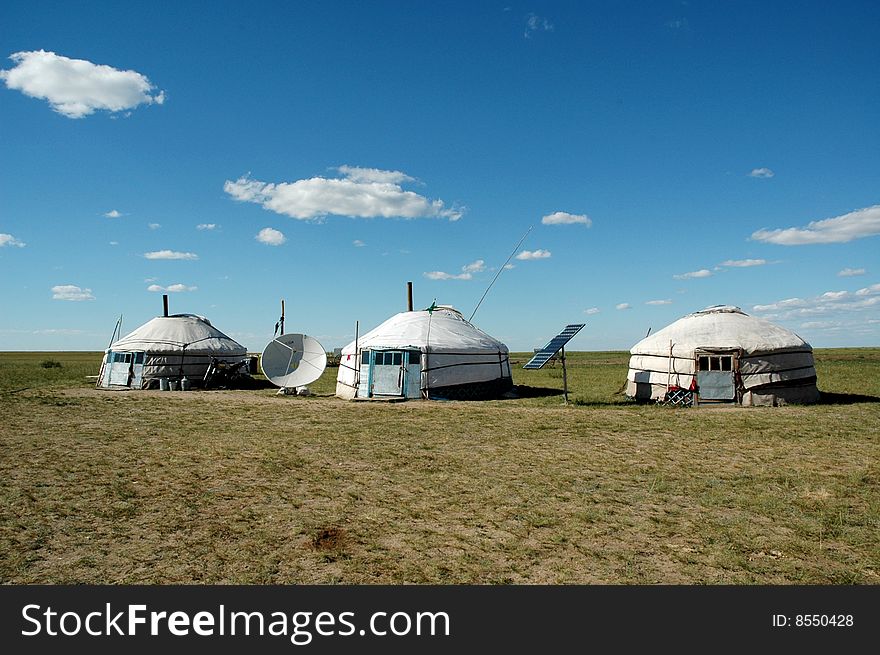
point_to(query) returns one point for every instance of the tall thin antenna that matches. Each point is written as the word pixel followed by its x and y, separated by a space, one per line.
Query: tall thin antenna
pixel 280 321
pixel 116 330
pixel 499 272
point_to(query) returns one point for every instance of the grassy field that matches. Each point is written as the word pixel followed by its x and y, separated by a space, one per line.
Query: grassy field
pixel 252 487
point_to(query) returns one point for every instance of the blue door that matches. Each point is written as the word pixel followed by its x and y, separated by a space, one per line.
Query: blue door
pixel 715 377
pixel 413 374
pixel 387 373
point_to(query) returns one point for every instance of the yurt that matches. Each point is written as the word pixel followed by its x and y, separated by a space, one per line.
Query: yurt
pixel 172 347
pixel 434 353
pixel 723 355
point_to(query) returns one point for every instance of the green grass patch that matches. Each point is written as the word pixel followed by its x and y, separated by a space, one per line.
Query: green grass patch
pixel 252 487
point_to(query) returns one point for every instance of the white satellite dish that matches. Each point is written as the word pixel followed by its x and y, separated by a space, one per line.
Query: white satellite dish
pixel 293 360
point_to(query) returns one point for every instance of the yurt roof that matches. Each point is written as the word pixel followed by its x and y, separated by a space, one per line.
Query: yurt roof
pixel 443 330
pixel 719 327
pixel 177 332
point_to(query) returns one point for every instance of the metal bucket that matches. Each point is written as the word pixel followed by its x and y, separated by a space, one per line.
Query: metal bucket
pixel 185 384
pixel 163 384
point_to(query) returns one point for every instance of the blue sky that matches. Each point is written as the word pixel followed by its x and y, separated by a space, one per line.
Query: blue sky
pixel 667 156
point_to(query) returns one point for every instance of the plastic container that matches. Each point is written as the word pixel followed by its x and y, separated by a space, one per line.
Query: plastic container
pixel 185 384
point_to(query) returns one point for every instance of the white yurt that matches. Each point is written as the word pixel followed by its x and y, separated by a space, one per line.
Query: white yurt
pixel 723 355
pixel 172 347
pixel 434 353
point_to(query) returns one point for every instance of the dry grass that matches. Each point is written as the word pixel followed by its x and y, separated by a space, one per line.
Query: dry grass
pixel 251 487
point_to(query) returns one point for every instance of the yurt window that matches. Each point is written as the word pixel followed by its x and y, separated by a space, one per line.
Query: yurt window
pixel 716 363
pixel 391 358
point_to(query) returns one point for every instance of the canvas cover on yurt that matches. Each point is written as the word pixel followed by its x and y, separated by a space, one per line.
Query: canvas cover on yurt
pixel 433 353
pixel 724 355
pixel 173 347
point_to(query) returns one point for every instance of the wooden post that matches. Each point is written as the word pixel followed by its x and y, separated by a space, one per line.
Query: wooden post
pixel 409 303
pixel 357 359
pixel 282 316
pixel 165 304
pixel 564 378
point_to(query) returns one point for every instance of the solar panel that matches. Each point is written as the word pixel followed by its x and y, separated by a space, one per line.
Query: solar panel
pixel 543 356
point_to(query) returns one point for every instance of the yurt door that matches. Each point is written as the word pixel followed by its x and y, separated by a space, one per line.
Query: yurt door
pixel 126 369
pixel 137 370
pixel 414 374
pixel 388 373
pixel 715 376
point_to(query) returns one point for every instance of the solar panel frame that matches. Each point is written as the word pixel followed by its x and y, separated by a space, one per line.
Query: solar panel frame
pixel 554 346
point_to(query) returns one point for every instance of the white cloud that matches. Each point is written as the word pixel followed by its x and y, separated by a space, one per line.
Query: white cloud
pixel 172 288
pixel 369 175
pixel 743 263
pixel 154 226
pixel 270 236
pixel 564 218
pixel 821 325
pixel 788 303
pixel 114 243
pixel 658 302
pixel 830 303
pixel 59 331
pixel 467 272
pixel 9 240
pixel 71 292
pixel 113 214
pixel 75 87
pixel 840 229
pixel 535 23
pixel 703 272
pixel 170 254
pixel 361 196
pixel 357 243
pixel 623 305
pixel 534 254
pixel 591 311
pixel 440 275
pixel 206 226
pixel 851 272
pixel 508 267
pixel 762 173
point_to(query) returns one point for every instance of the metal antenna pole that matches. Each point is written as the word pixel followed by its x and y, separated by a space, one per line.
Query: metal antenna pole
pixel 499 272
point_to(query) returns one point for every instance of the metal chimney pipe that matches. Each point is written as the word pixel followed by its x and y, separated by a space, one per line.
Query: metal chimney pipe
pixel 165 303
pixel 409 305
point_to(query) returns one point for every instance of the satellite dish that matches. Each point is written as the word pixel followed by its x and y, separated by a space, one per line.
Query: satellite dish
pixel 293 360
